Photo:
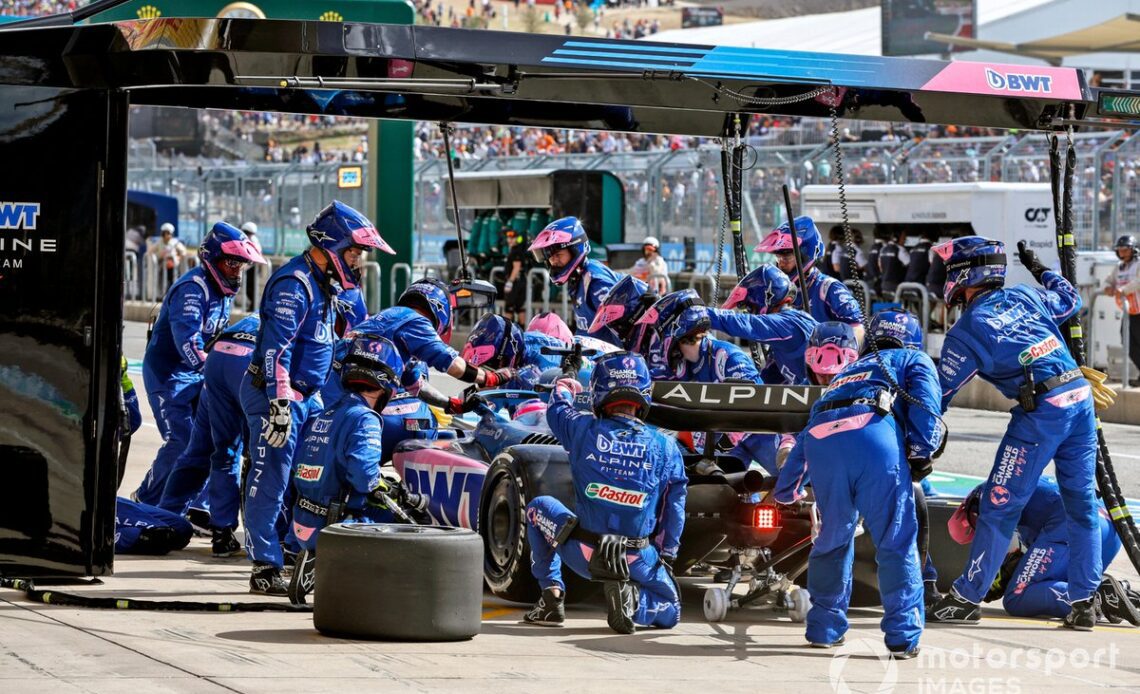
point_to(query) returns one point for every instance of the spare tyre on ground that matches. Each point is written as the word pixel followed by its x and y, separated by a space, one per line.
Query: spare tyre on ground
pixel 398 582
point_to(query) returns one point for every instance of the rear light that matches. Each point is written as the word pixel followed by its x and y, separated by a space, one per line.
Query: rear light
pixel 765 518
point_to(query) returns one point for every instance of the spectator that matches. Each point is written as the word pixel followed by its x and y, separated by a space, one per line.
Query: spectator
pixel 1124 284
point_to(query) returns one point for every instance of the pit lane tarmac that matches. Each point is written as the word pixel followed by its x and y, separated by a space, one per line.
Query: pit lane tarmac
pixel 59 649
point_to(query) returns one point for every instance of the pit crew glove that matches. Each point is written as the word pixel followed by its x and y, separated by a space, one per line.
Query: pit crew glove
pixel 1029 259
pixel 920 468
pixel 498 377
pixel 466 402
pixel 379 496
pixel 1103 396
pixel 568 387
pixel 278 424
pixel 668 562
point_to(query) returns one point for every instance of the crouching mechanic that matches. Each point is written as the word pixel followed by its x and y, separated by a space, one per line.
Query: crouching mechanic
pixel 863 446
pixel 337 475
pixel 626 475
pixel 1012 338
pixel 1033 577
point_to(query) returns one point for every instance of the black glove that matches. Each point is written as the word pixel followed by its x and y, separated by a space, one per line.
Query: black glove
pixel 920 468
pixel 465 403
pixel 278 423
pixel 668 562
pixel 380 494
pixel 1029 259
pixel 498 377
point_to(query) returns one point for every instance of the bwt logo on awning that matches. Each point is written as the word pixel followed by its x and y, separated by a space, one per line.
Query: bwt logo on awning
pixel 19 215
pixel 1015 82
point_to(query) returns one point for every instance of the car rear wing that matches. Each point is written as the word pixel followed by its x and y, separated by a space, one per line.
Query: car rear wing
pixel 726 407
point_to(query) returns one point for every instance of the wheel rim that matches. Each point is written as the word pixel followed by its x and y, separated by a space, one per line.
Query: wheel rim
pixel 501 532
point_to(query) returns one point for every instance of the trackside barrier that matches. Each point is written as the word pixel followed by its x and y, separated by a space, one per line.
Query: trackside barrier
pixel 501 272
pixel 130 274
pixel 397 270
pixel 370 285
pixel 541 272
pixel 661 284
pixel 854 285
pixel 924 297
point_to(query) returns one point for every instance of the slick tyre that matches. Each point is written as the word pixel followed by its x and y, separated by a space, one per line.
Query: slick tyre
pixel 517 475
pixel 398 582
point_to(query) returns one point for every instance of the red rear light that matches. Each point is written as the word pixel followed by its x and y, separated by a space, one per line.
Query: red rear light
pixel 765 517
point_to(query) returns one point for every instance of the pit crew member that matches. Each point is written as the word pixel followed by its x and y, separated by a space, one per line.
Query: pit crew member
pixel 863 446
pixel 1011 337
pixel 290 363
pixel 563 248
pixel 629 485
pixel 194 310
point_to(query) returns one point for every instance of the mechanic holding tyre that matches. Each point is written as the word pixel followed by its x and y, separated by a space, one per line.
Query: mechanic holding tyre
pixel 629 483
pixel 1011 337
pixel 863 445
pixel 290 363
pixel 337 475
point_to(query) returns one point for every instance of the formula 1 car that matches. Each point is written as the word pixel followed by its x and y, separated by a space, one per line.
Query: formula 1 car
pixel 480 475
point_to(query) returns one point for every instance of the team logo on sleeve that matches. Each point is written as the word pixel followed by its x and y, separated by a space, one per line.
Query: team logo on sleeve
pixel 615 495
pixel 999 495
pixel 1031 354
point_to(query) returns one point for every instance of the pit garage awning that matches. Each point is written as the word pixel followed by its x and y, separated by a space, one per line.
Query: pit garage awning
pixel 471 76
pixel 1117 35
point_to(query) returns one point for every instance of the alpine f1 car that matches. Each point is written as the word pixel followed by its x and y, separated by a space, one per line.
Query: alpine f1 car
pixel 481 474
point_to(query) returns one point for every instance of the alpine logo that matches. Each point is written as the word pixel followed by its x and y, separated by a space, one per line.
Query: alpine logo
pixel 1042 348
pixel 615 495
pixel 1019 82
pixel 310 473
pixel 630 449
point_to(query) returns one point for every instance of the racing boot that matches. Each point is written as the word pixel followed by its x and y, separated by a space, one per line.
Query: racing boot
pixel 904 653
pixel 621 605
pixel 954 609
pixel 549 611
pixel 1112 601
pixel 224 543
pixel 1082 615
pixel 1133 596
pixel 304 575
pixel 266 579
pixel 199 519
pixel 930 594
pixel 837 642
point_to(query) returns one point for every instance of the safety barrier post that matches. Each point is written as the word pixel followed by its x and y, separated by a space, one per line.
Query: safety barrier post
pixel 370 284
pixel 397 270
pixel 924 296
pixel 130 274
pixel 541 272
pixel 1124 339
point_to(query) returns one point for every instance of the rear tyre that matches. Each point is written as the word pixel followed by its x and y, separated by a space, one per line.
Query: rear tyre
pixel 517 475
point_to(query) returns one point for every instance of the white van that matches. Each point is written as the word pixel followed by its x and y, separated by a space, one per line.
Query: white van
pixel 1008 212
